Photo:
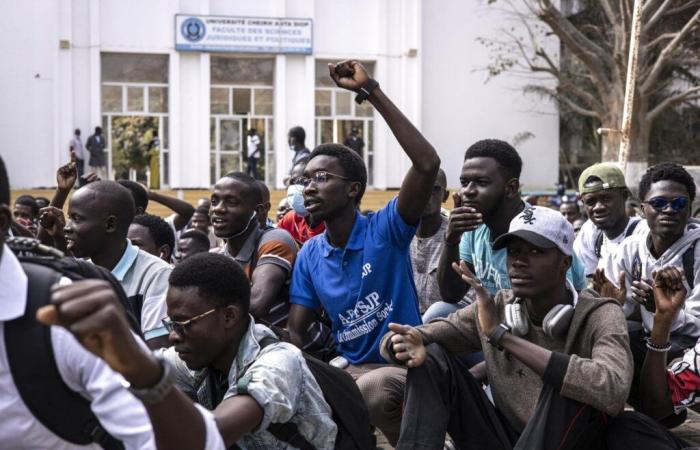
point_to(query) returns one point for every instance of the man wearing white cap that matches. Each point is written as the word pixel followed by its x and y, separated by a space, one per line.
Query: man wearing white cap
pixel 558 363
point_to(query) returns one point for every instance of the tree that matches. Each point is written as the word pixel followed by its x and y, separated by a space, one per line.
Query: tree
pixel 590 78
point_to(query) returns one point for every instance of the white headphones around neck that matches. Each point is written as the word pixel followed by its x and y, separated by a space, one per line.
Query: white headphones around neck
pixel 555 324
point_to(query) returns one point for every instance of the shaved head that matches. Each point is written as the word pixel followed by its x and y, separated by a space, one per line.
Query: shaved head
pixel 111 199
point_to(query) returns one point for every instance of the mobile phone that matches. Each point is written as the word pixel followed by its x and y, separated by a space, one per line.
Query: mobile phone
pixel 650 305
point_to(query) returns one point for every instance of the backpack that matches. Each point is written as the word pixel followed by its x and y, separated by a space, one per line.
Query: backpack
pixel 601 236
pixel 343 396
pixel 30 352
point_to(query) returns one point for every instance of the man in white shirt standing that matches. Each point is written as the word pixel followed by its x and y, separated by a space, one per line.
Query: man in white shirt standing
pixel 76 146
pixel 604 193
pixel 118 412
pixel 253 144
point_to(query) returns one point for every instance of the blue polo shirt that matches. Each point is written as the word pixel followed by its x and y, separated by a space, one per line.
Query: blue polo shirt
pixel 363 286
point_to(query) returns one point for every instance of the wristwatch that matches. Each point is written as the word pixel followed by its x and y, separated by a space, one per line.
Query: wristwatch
pixel 365 91
pixel 497 334
pixel 161 389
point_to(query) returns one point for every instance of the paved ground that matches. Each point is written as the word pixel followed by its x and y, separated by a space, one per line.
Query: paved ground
pixel 689 431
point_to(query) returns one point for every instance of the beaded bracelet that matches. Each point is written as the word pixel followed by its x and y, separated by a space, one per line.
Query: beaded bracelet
pixel 655 348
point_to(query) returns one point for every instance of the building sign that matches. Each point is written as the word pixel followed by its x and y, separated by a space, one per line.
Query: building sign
pixel 243 34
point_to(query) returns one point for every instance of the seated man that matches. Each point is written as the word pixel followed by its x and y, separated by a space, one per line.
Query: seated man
pixel 665 394
pixel 190 243
pixel 264 211
pixel 603 193
pixel 202 222
pixel 267 256
pixel 359 270
pixel 153 235
pixel 118 414
pixel 217 361
pixel 670 240
pixel 484 206
pixel 298 222
pixel 99 215
pixel 26 212
pixel 558 363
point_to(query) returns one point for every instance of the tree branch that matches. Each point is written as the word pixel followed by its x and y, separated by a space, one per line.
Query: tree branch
pixel 577 108
pixel 671 101
pixel 586 97
pixel 658 14
pixel 582 47
pixel 666 53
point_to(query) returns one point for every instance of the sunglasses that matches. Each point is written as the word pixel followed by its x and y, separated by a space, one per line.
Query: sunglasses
pixel 661 203
pixel 319 177
pixel 180 328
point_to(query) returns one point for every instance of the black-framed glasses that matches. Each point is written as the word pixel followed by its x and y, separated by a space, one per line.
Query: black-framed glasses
pixel 180 327
pixel 319 177
pixel 661 203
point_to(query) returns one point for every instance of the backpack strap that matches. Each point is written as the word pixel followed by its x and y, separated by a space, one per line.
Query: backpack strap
pixel 35 373
pixel 286 432
pixel 601 236
pixel 599 243
pixel 689 264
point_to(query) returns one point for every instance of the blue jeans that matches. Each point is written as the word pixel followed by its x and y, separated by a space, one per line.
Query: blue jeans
pixel 252 168
pixel 440 309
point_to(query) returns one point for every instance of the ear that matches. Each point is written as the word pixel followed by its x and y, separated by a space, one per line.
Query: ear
pixel 111 224
pixel 512 188
pixel 165 252
pixel 566 263
pixel 354 189
pixel 232 316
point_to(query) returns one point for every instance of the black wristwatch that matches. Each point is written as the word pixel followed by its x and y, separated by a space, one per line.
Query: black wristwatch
pixel 365 91
pixel 497 335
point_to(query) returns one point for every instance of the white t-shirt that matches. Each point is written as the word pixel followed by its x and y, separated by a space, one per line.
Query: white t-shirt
pixel 585 243
pixel 253 143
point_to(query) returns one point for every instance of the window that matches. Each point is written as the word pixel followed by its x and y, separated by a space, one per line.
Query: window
pixel 242 98
pixel 134 102
pixel 339 119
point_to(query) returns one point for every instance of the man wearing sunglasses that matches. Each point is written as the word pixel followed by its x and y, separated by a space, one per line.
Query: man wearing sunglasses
pixel 359 269
pixel 666 190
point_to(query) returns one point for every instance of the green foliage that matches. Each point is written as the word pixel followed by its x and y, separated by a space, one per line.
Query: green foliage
pixel 131 136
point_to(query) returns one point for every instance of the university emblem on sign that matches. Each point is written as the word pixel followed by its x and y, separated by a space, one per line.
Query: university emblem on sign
pixel 193 29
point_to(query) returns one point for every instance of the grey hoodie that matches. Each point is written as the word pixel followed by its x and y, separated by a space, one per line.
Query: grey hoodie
pixel 633 257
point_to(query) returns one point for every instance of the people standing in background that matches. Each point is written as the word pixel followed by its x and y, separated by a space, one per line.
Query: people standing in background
pixel 154 161
pixel 96 146
pixel 76 146
pixel 570 210
pixel 355 142
pixel 253 153
pixel 296 137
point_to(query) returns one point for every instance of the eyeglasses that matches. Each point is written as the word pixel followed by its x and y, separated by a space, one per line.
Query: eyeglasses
pixel 660 203
pixel 181 327
pixel 319 177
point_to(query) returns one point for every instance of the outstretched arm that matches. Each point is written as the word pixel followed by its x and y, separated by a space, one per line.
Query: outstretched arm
pixel 418 182
pixel 183 210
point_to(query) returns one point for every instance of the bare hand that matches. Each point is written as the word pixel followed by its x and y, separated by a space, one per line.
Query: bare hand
pixel 348 74
pixel 67 175
pixel 90 310
pixel 462 219
pixel 669 292
pixel 486 306
pixel 605 288
pixel 89 178
pixel 407 345
pixel 643 292
pixel 52 220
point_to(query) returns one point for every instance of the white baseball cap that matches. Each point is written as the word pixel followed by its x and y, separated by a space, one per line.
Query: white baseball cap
pixel 542 227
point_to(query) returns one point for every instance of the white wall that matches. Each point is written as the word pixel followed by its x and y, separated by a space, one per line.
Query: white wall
pixel 459 108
